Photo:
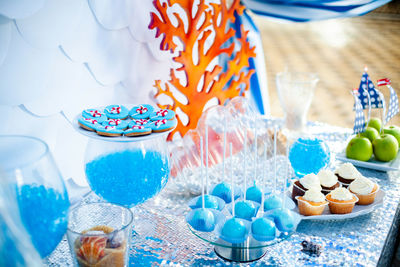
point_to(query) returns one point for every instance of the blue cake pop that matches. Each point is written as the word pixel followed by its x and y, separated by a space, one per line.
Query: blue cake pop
pixel 263 229
pixel 284 220
pixel 201 220
pixel 254 193
pixel 272 202
pixel 245 209
pixel 210 202
pixel 234 229
pixel 223 190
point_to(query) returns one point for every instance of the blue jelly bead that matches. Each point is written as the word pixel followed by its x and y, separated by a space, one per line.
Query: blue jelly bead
pixel 224 191
pixel 272 202
pixel 245 210
pixel 234 229
pixel 263 229
pixel 254 193
pixel 284 220
pixel 202 220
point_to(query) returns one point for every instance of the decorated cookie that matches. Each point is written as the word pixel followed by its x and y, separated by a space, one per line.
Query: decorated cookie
pixel 137 130
pixel 162 125
pixel 88 124
pixel 139 122
pixel 96 114
pixel 120 124
pixel 116 112
pixel 162 114
pixel 108 130
pixel 141 111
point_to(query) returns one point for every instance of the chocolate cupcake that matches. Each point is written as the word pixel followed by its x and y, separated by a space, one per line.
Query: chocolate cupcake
pixel 302 185
pixel 328 181
pixel 347 173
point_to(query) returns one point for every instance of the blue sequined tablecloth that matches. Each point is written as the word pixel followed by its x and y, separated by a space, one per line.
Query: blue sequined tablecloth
pixel 161 235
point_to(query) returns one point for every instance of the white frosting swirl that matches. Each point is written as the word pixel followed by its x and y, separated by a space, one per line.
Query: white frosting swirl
pixel 314 195
pixel 348 171
pixel 310 181
pixel 341 193
pixel 362 186
pixel 327 178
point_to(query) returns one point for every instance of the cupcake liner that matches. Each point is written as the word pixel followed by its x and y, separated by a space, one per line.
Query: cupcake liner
pixel 307 209
pixel 366 199
pixel 342 208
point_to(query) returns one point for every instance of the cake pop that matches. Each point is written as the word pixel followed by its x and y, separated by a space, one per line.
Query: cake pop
pixel 202 219
pixel 234 229
pixel 263 229
pixel 245 209
pixel 223 190
pixel 285 219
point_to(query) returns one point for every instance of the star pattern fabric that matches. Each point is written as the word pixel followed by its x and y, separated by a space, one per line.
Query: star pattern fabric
pixel 359 122
pixel 367 84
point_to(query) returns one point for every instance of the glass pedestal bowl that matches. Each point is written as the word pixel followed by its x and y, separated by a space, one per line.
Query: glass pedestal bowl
pixel 127 171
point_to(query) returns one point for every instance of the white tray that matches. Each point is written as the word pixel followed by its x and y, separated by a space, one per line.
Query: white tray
pixel 358 210
pixel 393 165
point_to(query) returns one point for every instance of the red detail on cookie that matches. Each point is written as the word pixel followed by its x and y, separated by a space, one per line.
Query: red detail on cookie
pixel 141 110
pixel 109 127
pixel 95 113
pixel 91 120
pixel 115 110
pixel 92 248
pixel 138 127
pixel 162 112
pixel 114 122
pixel 142 121
pixel 160 122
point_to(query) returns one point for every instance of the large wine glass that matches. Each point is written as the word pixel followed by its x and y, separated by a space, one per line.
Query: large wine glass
pixel 127 173
pixel 42 198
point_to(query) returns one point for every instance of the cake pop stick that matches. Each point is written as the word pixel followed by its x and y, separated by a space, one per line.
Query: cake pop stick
pixel 201 171
pixel 224 154
pixel 275 178
pixel 232 181
pixel 255 154
pixel 263 181
pixel 245 163
pixel 286 176
pixel 207 159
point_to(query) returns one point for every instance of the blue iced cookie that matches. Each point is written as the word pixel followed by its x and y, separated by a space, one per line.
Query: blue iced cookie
pixel 108 130
pixel 162 114
pixel 163 125
pixel 141 111
pixel 143 122
pixel 96 114
pixel 137 130
pixel 120 124
pixel 88 124
pixel 116 112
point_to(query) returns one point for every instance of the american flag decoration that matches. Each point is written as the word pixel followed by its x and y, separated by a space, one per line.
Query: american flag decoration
pixel 359 122
pixel 367 84
pixel 393 108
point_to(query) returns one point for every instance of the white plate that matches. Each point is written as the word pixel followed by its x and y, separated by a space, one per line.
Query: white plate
pixel 94 135
pixel 393 165
pixel 357 210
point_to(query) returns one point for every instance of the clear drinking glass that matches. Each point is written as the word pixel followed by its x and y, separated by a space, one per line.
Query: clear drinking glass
pixel 99 234
pixel 42 198
pixel 295 91
pixel 127 173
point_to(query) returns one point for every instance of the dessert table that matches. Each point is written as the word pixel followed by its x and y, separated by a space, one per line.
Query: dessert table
pixel 161 235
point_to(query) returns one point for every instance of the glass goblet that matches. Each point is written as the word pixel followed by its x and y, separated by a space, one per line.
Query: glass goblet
pixel 40 191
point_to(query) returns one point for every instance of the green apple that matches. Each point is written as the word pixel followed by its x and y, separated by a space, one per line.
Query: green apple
pixel 386 147
pixel 393 130
pixel 359 148
pixel 371 133
pixel 375 123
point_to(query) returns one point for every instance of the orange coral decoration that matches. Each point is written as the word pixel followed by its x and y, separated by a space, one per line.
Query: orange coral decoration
pixel 208 18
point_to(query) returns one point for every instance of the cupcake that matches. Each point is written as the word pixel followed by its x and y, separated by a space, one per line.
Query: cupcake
pixel 364 189
pixel 341 201
pixel 328 181
pixel 347 173
pixel 302 185
pixel 312 203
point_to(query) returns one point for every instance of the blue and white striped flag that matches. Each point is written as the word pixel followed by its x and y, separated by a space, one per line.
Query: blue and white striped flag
pixel 359 122
pixel 393 108
pixel 367 85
